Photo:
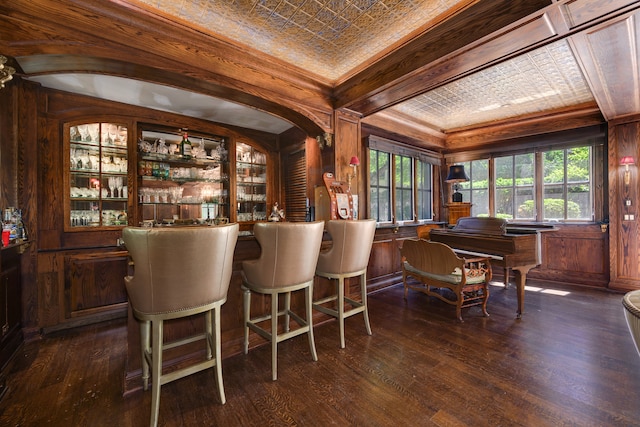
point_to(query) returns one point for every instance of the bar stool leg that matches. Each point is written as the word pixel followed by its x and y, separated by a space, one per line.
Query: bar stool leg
pixel 363 288
pixel 145 339
pixel 218 354
pixel 308 293
pixel 274 336
pixel 246 299
pixel 156 370
pixel 340 309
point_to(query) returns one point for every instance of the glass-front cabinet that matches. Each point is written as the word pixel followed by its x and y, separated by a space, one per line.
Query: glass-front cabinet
pixel 183 177
pixel 178 177
pixel 251 183
pixel 97 175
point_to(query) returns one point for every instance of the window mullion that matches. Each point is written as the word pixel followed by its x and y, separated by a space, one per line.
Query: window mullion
pixel 539 186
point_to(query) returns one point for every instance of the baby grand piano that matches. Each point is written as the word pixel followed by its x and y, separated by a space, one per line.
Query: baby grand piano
pixel 513 247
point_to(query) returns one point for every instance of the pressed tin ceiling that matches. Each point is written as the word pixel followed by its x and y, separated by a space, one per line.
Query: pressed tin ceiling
pixel 327 37
pixel 332 38
pixel 541 80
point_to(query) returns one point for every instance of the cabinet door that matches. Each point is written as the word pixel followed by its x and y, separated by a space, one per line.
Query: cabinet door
pixel 172 187
pixel 97 175
pixel 9 300
pixel 251 183
pixel 94 282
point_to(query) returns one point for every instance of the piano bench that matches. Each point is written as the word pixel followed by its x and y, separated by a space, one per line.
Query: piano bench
pixel 436 266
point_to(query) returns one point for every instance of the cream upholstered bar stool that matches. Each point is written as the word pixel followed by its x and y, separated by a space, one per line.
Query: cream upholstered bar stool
pixel 287 262
pixel 631 304
pixel 347 257
pixel 178 272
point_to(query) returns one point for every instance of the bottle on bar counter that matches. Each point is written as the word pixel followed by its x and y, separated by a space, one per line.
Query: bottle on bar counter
pixel 185 145
pixel 13 229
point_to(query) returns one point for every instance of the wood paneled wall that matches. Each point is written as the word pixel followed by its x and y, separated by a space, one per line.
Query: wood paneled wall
pixel 575 254
pixel 624 245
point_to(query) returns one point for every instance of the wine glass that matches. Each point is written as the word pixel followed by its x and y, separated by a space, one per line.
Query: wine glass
pixel 119 186
pixel 112 186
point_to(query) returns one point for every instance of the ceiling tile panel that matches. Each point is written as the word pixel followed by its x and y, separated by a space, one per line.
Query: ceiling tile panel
pixel 363 28
pixel 544 79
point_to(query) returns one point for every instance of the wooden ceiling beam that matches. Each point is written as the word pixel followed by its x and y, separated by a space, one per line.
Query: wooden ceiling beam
pixel 160 50
pixel 378 88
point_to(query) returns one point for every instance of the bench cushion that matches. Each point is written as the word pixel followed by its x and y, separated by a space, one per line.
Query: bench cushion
pixel 454 278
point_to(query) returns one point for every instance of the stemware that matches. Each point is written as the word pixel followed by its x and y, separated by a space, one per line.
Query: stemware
pixel 119 186
pixel 112 186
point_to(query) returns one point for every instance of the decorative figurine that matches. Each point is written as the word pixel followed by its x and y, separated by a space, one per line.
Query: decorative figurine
pixel 276 214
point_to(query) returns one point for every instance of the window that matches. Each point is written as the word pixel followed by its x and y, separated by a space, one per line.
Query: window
pixel 404 188
pixel 514 194
pixel 476 190
pixel 424 205
pixel 551 183
pixel 567 184
pixel 380 184
pixel 411 181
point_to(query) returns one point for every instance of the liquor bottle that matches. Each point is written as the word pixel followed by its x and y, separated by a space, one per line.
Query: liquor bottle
pixel 185 145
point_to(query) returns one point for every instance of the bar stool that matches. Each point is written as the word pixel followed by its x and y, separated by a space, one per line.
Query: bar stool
pixel 287 262
pixel 178 272
pixel 631 303
pixel 348 257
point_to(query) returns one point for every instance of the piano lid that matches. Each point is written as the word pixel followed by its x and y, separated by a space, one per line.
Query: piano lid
pixel 481 225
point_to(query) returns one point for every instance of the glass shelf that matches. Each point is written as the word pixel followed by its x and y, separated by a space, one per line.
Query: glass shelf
pixel 171 186
pixel 251 183
pixel 97 169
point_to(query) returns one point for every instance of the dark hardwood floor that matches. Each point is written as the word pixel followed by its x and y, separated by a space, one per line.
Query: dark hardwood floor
pixel 569 362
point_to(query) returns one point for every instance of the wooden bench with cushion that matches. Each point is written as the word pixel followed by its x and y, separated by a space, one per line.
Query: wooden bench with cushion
pixel 435 266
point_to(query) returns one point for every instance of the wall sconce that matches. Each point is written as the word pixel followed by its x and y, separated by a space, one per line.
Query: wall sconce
pixel 626 161
pixel 354 163
pixel 324 140
pixel 6 73
pixel 456 176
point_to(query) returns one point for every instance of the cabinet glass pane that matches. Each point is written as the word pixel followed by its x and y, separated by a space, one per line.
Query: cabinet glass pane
pixel 251 183
pixel 97 175
pixel 173 187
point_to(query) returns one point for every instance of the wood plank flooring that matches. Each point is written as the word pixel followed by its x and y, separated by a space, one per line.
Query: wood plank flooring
pixel 569 362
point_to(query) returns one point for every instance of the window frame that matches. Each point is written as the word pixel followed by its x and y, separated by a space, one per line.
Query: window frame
pixel 377 186
pixel 594 137
pixel 468 189
pixel 424 158
pixel 515 187
pixel 566 184
pixel 401 190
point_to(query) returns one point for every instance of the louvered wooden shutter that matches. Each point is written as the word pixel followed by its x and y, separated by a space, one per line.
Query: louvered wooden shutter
pixel 296 186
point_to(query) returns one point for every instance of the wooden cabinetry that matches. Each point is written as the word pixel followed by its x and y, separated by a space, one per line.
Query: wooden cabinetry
pixel 93 284
pixel 251 184
pixel 79 268
pixel 458 210
pixel 97 175
pixel 173 187
pixel 10 305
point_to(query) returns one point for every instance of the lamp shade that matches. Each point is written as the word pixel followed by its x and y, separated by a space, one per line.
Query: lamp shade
pixel 354 161
pixel 627 160
pixel 456 174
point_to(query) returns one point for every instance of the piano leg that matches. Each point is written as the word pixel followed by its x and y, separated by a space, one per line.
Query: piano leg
pixel 521 279
pixel 507 272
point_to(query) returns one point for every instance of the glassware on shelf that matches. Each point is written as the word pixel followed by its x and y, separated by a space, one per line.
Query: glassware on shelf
pixel 251 179
pixel 119 186
pixel 97 175
pixel 171 184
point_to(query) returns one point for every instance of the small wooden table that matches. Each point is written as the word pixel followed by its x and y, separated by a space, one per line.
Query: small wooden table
pixel 458 210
